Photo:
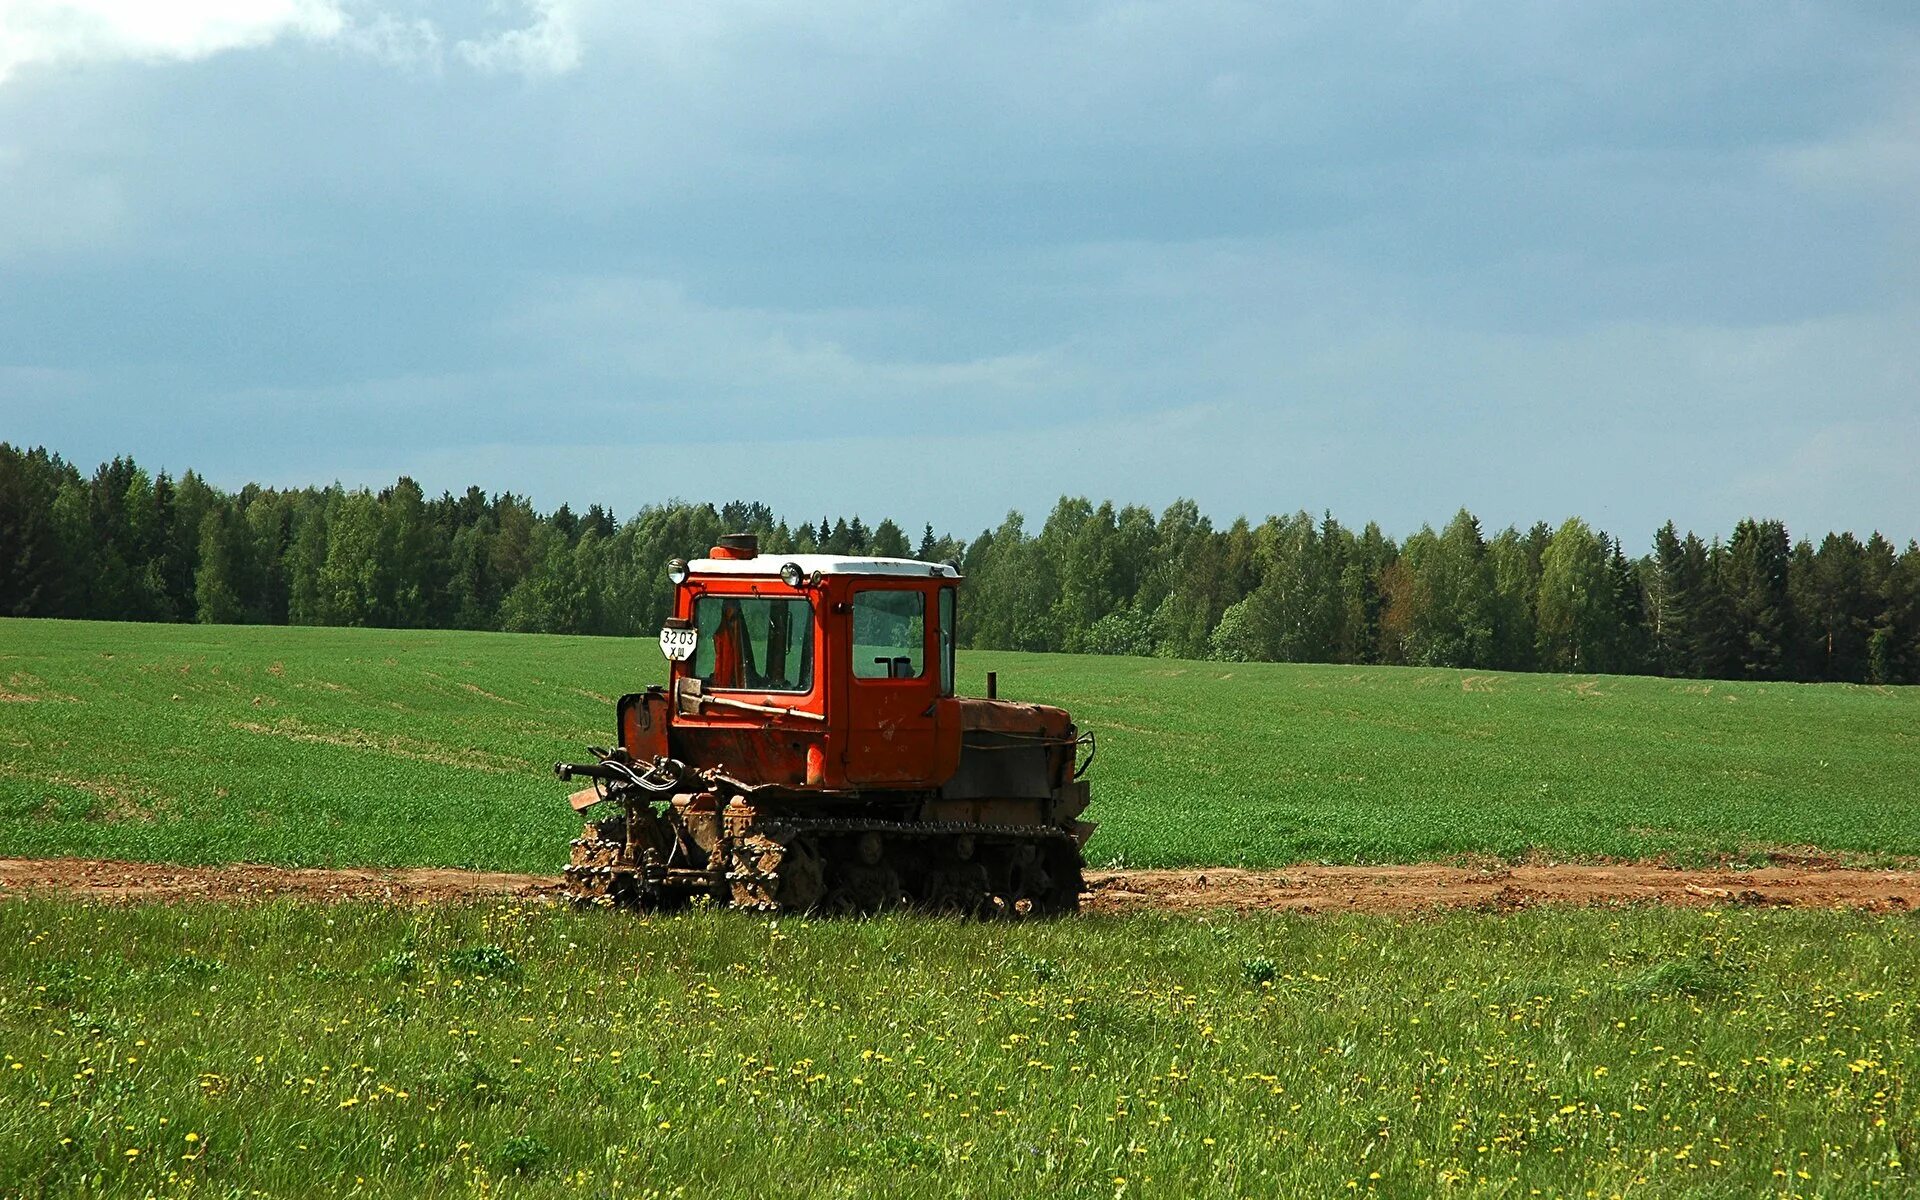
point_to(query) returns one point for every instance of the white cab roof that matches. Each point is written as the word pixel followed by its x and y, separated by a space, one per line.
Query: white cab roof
pixel 827 564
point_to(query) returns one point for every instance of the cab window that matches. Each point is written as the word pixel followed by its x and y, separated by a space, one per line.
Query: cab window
pixel 889 634
pixel 756 644
pixel 946 641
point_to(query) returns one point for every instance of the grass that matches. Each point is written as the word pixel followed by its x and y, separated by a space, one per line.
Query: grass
pixel 528 1051
pixel 373 747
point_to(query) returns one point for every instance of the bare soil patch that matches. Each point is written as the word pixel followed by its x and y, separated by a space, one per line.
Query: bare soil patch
pixel 108 879
pixel 1395 889
pixel 1415 888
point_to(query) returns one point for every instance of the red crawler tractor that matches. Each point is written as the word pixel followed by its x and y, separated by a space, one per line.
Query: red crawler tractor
pixel 808 753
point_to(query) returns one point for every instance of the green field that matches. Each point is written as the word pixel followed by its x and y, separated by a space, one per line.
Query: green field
pixel 376 747
pixel 292 1050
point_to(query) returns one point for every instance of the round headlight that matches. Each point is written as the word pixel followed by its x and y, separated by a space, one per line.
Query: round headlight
pixel 677 571
pixel 792 575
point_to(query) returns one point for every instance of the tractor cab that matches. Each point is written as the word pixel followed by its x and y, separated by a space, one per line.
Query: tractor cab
pixel 810 670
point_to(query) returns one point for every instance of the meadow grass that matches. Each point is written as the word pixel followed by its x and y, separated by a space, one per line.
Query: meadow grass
pixel 387 748
pixel 539 1051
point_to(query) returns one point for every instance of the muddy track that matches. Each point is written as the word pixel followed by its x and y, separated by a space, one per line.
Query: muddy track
pixel 1400 889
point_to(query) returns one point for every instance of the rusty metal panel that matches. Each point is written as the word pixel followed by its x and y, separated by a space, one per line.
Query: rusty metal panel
pixel 643 720
pixel 1009 716
pixel 759 755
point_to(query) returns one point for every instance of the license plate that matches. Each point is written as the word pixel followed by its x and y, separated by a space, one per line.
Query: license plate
pixel 678 644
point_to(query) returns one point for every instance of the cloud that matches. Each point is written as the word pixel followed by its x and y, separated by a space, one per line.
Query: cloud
pixel 648 337
pixel 548 46
pixel 67 32
pixel 394 41
pixel 1884 157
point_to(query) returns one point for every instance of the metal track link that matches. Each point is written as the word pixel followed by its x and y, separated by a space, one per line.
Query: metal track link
pixel 790 830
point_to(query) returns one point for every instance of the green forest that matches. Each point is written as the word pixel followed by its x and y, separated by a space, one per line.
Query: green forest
pixel 126 544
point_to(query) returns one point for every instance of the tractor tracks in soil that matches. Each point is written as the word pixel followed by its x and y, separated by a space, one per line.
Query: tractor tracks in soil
pixel 1304 889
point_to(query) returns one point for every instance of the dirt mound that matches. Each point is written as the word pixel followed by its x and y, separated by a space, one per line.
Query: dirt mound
pixel 1298 889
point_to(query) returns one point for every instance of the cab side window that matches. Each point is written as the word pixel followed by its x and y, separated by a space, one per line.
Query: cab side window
pixel 889 634
pixel 946 641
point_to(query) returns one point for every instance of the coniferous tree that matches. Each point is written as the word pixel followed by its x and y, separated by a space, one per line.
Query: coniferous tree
pixel 416 572
pixel 840 541
pixel 30 567
pixel 1626 637
pixel 600 520
pixel 1716 640
pixel 1757 560
pixel 889 541
pixel 1893 651
pixel 1837 611
pixel 1671 600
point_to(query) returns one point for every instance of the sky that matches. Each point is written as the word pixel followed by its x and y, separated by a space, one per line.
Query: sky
pixel 1624 261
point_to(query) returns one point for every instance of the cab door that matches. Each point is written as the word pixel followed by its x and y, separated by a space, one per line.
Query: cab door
pixel 894 677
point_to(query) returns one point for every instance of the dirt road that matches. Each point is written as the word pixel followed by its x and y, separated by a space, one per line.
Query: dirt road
pixel 1299 889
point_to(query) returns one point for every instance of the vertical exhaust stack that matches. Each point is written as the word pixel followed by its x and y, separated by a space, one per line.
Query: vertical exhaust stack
pixel 993 685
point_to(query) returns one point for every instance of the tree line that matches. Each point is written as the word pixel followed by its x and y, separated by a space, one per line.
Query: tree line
pixel 124 544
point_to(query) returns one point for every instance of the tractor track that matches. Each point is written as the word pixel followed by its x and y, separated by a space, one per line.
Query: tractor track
pixel 1305 889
